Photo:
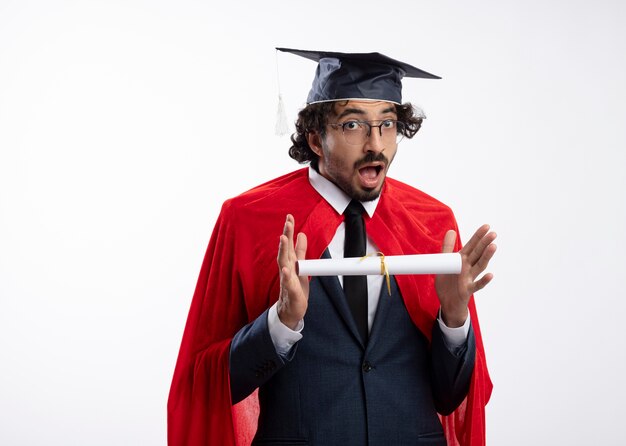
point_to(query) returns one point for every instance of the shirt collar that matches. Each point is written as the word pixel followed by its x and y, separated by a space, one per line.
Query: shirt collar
pixel 337 198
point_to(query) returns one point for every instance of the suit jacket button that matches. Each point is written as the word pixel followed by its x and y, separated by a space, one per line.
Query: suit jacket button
pixel 366 367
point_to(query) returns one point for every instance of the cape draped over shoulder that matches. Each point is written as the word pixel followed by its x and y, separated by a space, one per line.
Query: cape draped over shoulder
pixel 239 280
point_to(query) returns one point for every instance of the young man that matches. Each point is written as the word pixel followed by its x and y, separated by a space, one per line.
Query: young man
pixel 336 360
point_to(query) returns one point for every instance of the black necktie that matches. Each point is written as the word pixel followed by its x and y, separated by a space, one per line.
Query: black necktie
pixel 355 287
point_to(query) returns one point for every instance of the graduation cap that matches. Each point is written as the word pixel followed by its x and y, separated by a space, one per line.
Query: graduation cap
pixel 372 76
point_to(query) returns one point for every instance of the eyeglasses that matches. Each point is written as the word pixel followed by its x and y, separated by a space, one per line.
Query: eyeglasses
pixel 357 132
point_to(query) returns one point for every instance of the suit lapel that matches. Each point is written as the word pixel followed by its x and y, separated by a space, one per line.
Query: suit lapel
pixel 334 291
pixel 384 304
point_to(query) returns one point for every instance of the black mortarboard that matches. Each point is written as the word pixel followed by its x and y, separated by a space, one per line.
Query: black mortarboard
pixel 371 76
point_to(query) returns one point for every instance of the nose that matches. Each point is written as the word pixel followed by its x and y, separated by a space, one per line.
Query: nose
pixel 374 142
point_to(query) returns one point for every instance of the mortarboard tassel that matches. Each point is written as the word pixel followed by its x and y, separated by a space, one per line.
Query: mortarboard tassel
pixel 281 128
pixel 281 118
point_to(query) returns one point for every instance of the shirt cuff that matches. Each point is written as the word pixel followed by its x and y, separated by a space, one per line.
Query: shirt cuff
pixel 282 336
pixel 455 337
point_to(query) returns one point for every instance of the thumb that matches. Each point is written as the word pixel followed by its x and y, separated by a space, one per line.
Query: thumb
pixel 448 241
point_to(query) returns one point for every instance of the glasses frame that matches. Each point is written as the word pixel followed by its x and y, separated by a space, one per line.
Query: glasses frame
pixel 398 124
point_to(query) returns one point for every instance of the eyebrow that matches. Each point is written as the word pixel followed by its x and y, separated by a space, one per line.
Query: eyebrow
pixel 358 111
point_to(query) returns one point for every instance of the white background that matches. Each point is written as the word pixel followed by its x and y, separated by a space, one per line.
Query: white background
pixel 125 124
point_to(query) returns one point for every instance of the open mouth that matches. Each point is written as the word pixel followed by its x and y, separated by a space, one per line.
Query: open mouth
pixel 370 175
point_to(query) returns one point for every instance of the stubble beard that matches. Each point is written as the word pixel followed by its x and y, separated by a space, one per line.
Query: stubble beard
pixel 345 183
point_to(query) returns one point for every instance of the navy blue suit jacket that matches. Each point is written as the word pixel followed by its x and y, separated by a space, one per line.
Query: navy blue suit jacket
pixel 334 389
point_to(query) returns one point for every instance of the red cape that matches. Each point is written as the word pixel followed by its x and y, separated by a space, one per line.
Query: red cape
pixel 239 280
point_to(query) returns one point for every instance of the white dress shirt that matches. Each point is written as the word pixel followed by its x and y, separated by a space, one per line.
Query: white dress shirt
pixel 283 337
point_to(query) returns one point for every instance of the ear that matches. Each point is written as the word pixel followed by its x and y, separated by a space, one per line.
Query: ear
pixel 315 142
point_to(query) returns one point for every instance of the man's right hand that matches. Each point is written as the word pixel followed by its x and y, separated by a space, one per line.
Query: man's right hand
pixel 294 290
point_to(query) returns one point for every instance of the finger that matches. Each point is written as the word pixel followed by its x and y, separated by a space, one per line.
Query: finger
pixel 484 260
pixel 301 245
pixel 480 247
pixel 478 235
pixel 292 284
pixel 288 228
pixel 286 285
pixel 283 251
pixel 480 284
pixel 448 241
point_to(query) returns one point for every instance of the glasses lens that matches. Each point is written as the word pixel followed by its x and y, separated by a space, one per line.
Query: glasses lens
pixel 399 132
pixel 392 132
pixel 355 132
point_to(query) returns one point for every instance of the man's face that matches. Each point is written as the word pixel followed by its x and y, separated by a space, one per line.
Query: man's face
pixel 359 170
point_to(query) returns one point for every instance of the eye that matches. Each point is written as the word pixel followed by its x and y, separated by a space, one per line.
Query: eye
pixel 351 125
pixel 388 124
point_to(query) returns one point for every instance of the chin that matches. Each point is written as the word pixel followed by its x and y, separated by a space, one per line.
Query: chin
pixel 365 194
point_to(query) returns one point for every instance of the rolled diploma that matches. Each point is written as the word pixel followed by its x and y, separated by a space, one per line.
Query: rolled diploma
pixel 408 264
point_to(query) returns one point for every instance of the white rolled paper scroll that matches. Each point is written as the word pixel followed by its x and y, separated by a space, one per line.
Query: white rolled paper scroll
pixel 371 265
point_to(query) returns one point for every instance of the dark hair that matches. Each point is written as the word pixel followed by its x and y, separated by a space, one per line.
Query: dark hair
pixel 314 117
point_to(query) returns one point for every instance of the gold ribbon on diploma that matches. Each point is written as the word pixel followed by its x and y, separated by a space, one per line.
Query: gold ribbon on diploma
pixel 383 268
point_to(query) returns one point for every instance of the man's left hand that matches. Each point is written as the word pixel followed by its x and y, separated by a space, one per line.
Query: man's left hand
pixel 454 290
